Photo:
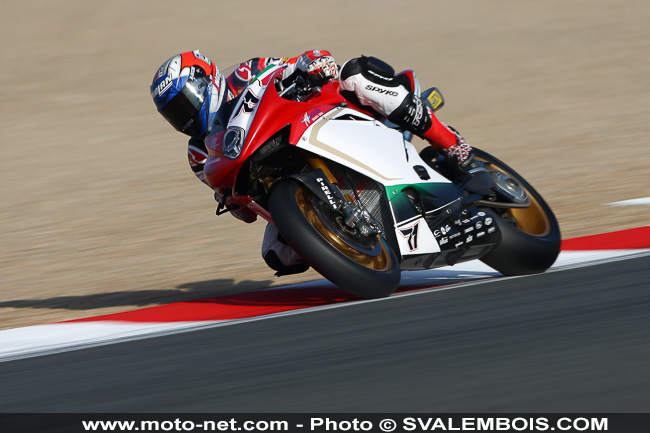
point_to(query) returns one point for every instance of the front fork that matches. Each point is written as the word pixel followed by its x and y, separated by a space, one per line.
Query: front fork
pixel 354 216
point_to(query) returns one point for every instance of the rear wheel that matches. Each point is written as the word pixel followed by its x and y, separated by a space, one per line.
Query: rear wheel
pixel 530 236
pixel 364 266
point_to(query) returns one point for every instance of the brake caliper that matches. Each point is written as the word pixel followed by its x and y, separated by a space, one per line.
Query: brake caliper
pixel 356 218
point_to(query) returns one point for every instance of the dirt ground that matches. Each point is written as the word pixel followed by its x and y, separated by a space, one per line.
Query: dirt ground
pixel 100 212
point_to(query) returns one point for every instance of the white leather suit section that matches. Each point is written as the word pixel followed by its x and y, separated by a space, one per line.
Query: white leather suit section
pixel 382 99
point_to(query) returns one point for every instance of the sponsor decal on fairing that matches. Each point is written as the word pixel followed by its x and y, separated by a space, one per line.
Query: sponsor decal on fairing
pixel 312 116
pixel 417 238
pixel 411 234
pixel 442 230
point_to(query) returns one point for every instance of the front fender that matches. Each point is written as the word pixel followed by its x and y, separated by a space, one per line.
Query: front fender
pixel 316 181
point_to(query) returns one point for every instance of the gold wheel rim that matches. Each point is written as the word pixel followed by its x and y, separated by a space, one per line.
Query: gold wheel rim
pixel 379 262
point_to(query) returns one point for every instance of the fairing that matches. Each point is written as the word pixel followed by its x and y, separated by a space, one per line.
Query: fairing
pixel 326 126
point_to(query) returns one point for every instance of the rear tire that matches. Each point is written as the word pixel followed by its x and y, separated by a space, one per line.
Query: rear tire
pixel 365 267
pixel 532 244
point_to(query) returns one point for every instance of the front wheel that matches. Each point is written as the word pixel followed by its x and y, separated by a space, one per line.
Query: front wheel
pixel 530 236
pixel 361 265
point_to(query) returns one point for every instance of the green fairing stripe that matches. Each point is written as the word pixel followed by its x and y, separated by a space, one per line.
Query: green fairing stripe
pixel 434 189
pixel 261 72
pixel 433 195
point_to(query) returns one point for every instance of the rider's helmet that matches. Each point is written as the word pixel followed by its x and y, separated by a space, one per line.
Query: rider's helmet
pixel 186 89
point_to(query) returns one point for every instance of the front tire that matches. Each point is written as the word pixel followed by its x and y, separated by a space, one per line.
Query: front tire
pixel 363 266
pixel 530 237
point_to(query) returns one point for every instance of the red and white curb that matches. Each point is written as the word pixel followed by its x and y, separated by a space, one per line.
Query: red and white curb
pixel 299 298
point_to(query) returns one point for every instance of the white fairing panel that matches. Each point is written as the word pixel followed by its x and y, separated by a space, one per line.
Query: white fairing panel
pixel 367 146
pixel 381 153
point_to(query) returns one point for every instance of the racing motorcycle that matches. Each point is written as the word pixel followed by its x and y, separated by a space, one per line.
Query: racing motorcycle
pixel 355 199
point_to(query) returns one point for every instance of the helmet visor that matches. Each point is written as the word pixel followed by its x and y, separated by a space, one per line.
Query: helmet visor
pixel 184 109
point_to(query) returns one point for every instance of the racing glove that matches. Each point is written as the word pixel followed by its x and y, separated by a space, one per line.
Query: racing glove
pixel 316 65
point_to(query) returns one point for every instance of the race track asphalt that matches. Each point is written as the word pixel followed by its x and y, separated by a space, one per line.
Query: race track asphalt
pixel 576 340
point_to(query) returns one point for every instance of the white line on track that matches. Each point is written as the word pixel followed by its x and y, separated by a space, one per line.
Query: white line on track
pixel 56 338
pixel 645 201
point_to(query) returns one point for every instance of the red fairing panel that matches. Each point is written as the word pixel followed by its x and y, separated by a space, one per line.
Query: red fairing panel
pixel 273 113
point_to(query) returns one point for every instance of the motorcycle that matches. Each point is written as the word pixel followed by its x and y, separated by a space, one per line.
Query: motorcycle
pixel 355 199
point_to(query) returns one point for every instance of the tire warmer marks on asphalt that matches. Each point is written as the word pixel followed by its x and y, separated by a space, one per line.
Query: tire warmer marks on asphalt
pixel 237 308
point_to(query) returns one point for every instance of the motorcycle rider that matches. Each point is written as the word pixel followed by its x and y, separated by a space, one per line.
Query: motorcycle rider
pixel 188 91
